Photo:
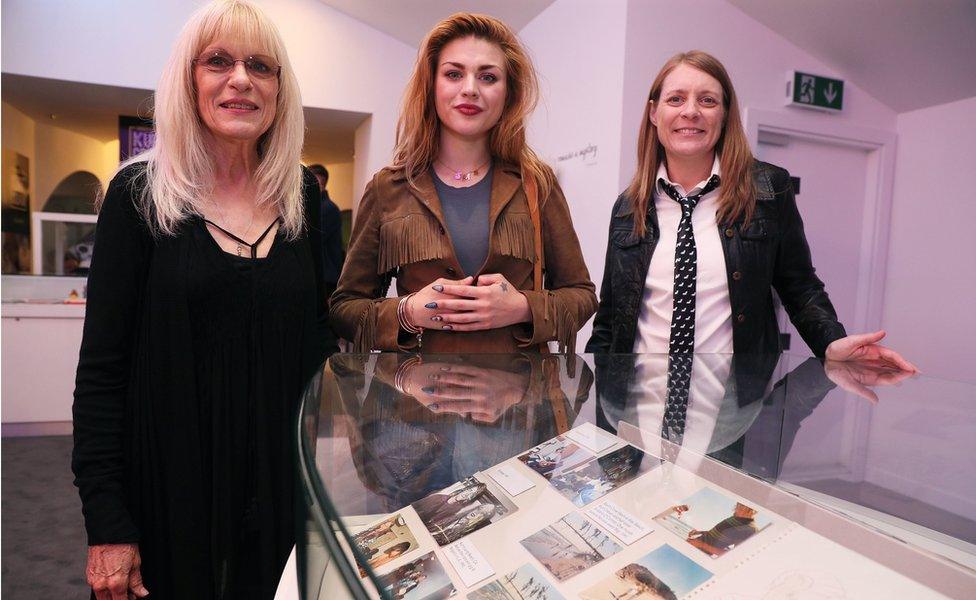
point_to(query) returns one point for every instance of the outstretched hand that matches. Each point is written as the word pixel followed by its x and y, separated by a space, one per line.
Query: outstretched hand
pixel 856 376
pixel 865 347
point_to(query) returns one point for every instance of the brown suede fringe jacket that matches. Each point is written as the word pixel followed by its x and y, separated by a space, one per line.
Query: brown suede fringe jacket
pixel 400 232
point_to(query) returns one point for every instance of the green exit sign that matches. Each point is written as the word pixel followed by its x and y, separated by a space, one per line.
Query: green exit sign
pixel 814 91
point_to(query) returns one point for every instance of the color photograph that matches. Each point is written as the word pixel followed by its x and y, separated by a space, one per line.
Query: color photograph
pixel 664 574
pixel 462 508
pixel 713 523
pixel 524 583
pixel 600 476
pixel 384 542
pixel 570 546
pixel 555 456
pixel 422 579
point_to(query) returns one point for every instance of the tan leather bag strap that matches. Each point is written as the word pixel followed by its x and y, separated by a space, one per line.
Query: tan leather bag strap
pixel 532 196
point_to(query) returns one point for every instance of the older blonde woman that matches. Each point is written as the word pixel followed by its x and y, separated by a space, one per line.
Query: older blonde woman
pixel 205 315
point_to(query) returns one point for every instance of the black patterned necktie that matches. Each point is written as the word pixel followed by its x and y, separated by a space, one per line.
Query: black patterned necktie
pixel 681 346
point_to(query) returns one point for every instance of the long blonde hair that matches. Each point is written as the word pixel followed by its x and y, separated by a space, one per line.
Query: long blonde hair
pixel 737 194
pixel 418 129
pixel 179 170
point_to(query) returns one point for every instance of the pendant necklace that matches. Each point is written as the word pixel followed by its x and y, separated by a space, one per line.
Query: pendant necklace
pixel 240 243
pixel 464 175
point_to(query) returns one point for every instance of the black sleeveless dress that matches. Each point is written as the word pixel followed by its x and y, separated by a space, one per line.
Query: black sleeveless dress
pixel 192 366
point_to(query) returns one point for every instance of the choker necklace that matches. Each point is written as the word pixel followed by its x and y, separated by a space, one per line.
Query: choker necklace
pixel 462 175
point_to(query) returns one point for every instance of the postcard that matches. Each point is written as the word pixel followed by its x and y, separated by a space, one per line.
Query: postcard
pixel 713 523
pixel 385 541
pixel 524 583
pixel 664 574
pixel 462 508
pixel 600 476
pixel 570 546
pixel 555 456
pixel 422 579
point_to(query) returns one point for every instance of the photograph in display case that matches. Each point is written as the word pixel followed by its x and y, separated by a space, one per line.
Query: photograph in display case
pixel 664 574
pixel 422 579
pixel 553 457
pixel 600 476
pixel 713 523
pixel 570 546
pixel 462 508
pixel 524 583
pixel 385 541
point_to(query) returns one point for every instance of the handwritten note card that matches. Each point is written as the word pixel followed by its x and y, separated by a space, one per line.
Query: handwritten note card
pixel 470 564
pixel 625 526
pixel 509 478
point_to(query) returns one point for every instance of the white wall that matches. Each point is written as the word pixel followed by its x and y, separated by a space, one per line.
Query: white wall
pixel 340 62
pixel 341 185
pixel 578 49
pixel 756 58
pixel 931 280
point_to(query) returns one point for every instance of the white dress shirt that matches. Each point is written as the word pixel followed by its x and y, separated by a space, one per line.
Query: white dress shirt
pixel 713 309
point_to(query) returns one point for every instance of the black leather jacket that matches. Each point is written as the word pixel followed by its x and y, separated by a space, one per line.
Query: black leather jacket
pixel 771 252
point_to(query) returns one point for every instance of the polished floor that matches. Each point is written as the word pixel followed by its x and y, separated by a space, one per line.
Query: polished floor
pixel 43 546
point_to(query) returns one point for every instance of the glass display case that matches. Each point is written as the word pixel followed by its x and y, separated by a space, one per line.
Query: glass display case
pixel 569 476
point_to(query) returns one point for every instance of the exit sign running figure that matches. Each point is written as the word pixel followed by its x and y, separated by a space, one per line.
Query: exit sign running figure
pixel 814 91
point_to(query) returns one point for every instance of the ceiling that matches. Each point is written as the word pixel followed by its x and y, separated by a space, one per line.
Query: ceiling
pixel 93 110
pixel 410 20
pixel 908 54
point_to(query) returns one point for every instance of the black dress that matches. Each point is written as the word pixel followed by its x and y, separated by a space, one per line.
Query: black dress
pixel 192 365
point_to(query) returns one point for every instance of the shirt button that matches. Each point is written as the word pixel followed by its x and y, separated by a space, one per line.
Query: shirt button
pixel 741 318
pixel 451 271
pixel 737 275
pixel 729 232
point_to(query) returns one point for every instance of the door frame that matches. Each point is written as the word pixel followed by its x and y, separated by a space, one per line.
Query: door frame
pixel 878 193
pixel 875 230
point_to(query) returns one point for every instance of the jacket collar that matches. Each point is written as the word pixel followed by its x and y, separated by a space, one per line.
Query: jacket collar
pixel 506 181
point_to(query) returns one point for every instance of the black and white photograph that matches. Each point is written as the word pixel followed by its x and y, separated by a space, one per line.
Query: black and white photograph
pixel 570 546
pixel 524 583
pixel 462 508
pixel 600 476
pixel 555 456
pixel 422 579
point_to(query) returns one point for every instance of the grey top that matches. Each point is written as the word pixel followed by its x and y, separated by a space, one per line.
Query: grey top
pixel 466 215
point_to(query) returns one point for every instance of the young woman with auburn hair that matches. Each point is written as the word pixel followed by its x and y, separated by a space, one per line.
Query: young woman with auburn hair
pixel 703 217
pixel 467 218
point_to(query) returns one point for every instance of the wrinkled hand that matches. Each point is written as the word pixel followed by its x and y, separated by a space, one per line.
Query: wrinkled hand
pixel 856 375
pixel 419 309
pixel 491 304
pixel 865 347
pixel 465 390
pixel 113 572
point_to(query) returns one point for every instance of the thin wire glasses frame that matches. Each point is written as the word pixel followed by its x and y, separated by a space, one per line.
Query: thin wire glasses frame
pixel 257 65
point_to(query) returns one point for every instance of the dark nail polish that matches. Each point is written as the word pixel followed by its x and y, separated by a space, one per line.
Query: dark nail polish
pixel 430 305
pixel 438 287
pixel 428 389
pixel 437 318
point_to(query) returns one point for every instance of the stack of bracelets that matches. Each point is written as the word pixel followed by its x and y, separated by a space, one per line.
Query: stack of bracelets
pixel 405 323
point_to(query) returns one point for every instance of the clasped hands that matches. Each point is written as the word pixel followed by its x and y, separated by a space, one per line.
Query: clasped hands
pixel 466 390
pixel 466 305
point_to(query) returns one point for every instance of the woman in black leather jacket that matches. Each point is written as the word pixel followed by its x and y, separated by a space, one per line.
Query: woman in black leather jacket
pixel 748 237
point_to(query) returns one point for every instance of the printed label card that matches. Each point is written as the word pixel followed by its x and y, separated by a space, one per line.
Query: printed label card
pixel 592 438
